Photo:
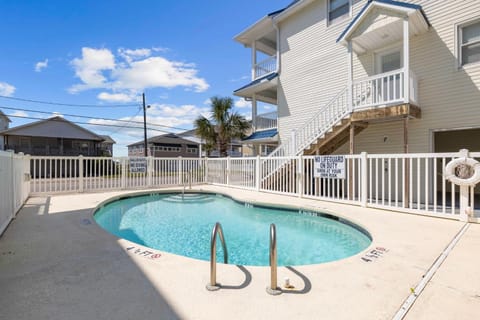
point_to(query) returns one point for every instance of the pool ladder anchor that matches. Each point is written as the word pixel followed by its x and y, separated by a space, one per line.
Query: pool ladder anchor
pixel 273 289
pixel 217 229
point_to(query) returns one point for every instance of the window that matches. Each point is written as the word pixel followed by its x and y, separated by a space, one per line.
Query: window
pixel 469 36
pixel 337 9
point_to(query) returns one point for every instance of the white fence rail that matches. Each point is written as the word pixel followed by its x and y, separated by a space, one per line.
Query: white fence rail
pixel 80 174
pixel 14 186
pixel 413 183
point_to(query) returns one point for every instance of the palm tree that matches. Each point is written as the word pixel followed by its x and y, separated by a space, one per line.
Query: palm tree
pixel 222 127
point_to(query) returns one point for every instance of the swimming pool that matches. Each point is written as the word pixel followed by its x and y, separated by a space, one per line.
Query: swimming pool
pixel 182 224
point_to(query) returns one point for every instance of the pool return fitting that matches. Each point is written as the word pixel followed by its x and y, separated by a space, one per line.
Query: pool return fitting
pixel 217 229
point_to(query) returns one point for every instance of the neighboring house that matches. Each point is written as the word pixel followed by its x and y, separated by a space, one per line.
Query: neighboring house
pixel 165 146
pixel 4 122
pixel 378 76
pixel 55 136
pixel 106 146
pixel 235 148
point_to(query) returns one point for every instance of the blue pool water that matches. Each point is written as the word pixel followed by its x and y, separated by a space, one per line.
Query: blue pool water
pixel 183 226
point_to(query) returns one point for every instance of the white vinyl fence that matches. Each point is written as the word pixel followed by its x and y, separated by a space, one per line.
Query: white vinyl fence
pixel 413 183
pixel 88 174
pixel 14 186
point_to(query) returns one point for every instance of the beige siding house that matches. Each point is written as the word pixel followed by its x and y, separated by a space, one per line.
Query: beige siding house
pixel 378 76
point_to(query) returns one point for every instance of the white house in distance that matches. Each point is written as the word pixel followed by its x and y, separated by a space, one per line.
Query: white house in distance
pixel 4 123
pixel 378 76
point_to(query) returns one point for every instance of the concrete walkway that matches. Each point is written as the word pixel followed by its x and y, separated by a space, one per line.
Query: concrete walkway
pixel 56 263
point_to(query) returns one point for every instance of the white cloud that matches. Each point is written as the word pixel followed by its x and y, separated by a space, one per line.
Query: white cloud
pixel 159 117
pixel 56 114
pixel 129 55
pixel 242 103
pixel 19 113
pixel 6 89
pixel 39 66
pixel 158 72
pixel 90 68
pixel 133 70
pixel 242 78
pixel 117 97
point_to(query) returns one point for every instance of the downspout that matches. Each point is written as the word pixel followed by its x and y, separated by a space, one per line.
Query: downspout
pixel 275 26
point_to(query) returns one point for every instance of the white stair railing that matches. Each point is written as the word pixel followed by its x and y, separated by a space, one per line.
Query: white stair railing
pixel 325 118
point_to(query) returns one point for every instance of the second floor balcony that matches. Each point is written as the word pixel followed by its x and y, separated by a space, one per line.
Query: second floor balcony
pixel 265 121
pixel 264 67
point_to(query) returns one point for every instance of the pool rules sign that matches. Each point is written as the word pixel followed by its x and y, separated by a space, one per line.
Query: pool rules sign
pixel 329 167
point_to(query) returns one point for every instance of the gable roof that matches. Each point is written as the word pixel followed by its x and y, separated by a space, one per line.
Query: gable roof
pixel 396 5
pixel 107 139
pixel 5 116
pixel 55 127
pixel 169 138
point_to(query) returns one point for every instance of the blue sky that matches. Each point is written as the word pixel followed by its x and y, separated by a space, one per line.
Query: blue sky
pixel 180 53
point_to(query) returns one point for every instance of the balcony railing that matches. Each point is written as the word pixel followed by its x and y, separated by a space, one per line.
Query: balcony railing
pixel 381 89
pixel 264 67
pixel 266 121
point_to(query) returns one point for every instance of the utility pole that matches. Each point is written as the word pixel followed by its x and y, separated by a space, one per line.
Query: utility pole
pixel 145 145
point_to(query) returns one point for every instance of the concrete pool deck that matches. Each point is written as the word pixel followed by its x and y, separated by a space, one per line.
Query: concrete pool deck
pixel 56 263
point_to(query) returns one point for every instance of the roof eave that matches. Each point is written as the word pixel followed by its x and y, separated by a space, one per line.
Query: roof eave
pixel 406 8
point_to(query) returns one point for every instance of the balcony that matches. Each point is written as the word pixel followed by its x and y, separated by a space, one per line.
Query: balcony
pixel 264 67
pixel 266 121
pixel 384 89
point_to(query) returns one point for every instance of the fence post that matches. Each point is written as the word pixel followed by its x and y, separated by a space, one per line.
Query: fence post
pixel 12 183
pixel 300 176
pixel 205 172
pixel 149 171
pixel 228 170
pixel 364 179
pixel 124 173
pixel 464 192
pixel 257 173
pixel 80 173
pixel 180 170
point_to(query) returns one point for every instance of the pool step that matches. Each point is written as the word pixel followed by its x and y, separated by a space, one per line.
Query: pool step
pixel 188 197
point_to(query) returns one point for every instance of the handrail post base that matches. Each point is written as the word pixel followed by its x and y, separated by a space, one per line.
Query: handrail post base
pixel 216 287
pixel 274 292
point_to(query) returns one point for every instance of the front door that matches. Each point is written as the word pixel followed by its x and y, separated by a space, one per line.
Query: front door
pixel 390 86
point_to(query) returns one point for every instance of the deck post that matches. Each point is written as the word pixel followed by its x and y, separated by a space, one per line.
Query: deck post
pixel 406 60
pixel 254 112
pixel 254 59
pixel 350 76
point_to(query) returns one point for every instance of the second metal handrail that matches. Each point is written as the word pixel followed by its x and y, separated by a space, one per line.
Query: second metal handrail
pixel 273 289
pixel 217 229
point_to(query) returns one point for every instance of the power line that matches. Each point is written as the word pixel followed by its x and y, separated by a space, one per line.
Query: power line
pixel 70 104
pixel 92 124
pixel 93 118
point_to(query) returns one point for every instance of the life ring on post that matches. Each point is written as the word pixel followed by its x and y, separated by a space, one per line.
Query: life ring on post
pixel 463 171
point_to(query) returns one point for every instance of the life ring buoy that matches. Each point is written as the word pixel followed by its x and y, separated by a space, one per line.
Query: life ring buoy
pixel 470 181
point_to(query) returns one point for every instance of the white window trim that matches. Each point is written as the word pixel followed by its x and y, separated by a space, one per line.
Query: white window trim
pixel 327 15
pixel 384 51
pixel 459 44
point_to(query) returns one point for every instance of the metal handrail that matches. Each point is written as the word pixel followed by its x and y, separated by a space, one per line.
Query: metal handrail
pixel 273 289
pixel 217 229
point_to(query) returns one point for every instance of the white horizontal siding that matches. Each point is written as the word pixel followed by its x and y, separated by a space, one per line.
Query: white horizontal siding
pixel 314 70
